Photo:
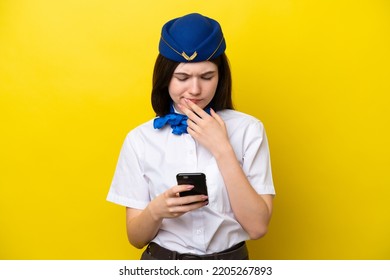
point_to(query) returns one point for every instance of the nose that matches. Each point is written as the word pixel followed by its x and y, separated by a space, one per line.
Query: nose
pixel 195 88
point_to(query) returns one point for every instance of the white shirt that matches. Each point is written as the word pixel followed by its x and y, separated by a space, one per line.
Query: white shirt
pixel 150 159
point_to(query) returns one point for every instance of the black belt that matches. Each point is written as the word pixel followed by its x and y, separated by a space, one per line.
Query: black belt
pixel 237 252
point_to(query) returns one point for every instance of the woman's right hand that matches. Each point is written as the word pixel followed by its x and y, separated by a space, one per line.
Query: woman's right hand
pixel 171 205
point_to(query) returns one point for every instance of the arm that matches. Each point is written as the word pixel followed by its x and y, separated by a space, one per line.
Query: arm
pixel 143 225
pixel 253 211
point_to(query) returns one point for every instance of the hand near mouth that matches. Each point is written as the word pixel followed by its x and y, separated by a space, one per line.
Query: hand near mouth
pixel 208 130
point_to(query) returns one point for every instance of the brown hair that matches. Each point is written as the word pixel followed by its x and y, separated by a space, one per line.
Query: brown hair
pixel 162 75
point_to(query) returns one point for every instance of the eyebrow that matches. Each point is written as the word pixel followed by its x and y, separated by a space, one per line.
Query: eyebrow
pixel 202 74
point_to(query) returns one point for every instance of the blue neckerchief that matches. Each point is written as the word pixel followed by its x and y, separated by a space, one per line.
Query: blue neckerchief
pixel 177 121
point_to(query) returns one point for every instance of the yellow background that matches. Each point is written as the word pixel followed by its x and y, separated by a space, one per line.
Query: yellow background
pixel 75 77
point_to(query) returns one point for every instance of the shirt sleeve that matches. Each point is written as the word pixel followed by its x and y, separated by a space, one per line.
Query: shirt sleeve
pixel 256 159
pixel 129 186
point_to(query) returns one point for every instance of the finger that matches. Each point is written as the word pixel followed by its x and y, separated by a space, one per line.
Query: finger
pixel 175 190
pixel 173 202
pixel 217 117
pixel 188 203
pixel 184 200
pixel 189 113
pixel 193 125
pixel 196 109
pixel 193 206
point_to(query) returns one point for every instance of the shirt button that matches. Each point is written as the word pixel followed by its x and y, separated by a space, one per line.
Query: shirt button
pixel 198 231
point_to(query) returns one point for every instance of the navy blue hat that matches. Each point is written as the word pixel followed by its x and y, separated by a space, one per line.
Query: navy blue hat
pixel 192 38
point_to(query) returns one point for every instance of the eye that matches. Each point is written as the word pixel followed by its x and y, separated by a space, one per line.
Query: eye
pixel 181 78
pixel 207 78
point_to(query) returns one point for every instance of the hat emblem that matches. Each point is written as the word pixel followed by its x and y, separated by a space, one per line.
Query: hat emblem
pixel 189 58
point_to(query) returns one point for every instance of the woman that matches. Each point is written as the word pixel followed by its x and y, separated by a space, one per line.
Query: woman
pixel 196 130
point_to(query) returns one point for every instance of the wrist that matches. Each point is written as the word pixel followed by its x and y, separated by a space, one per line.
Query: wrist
pixel 152 213
pixel 224 151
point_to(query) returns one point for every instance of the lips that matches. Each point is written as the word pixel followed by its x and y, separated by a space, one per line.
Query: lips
pixel 194 100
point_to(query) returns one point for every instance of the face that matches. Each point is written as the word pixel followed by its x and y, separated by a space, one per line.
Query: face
pixel 196 81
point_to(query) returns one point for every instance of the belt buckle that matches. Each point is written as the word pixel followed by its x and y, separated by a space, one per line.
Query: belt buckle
pixel 188 257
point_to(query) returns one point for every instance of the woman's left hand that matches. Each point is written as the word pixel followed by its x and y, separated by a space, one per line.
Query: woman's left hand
pixel 208 130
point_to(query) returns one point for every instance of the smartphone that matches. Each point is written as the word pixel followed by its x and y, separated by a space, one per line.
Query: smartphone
pixel 198 180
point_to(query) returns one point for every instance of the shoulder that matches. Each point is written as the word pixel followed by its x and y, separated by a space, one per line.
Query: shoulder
pixel 144 128
pixel 142 132
pixel 235 119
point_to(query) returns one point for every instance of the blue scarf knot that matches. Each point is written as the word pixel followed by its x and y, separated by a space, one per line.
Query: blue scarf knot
pixel 178 122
